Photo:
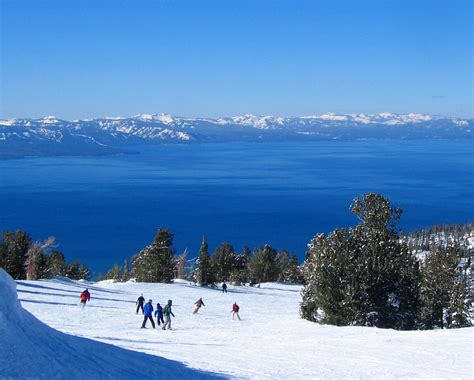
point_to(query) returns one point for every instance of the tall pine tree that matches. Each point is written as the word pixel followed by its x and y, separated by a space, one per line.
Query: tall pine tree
pixel 204 274
pixel 156 263
pixel 263 265
pixel 15 248
pixel 223 262
pixel 364 276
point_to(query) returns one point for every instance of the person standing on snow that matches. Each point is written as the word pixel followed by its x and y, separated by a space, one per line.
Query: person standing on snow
pixel 198 304
pixel 224 288
pixel 159 314
pixel 85 296
pixel 140 302
pixel 235 311
pixel 148 312
pixel 168 313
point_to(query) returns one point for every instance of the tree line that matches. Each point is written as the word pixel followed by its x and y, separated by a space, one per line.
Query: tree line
pixel 367 275
pixel 24 259
pixel 441 234
pixel 158 262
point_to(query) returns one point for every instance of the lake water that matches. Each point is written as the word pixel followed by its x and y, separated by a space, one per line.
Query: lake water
pixel 104 209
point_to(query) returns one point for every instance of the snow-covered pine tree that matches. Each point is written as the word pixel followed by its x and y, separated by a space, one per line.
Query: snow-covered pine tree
pixel 326 272
pixel 458 314
pixel 387 270
pixel 443 289
pixel 364 276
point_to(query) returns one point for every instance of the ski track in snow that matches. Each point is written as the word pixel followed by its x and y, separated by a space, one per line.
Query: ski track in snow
pixel 270 342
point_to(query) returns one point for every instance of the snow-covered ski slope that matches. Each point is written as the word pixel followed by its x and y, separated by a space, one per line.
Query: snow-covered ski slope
pixel 271 341
pixel 31 350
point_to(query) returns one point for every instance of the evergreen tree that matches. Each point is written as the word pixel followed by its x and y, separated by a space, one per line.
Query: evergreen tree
pixel 15 247
pixel 73 270
pixel 240 273
pixel 283 258
pixel 84 272
pixel 386 270
pixel 156 263
pixel 77 271
pixel 293 273
pixel 204 271
pixel 327 275
pixel 263 265
pixel 364 276
pixel 443 290
pixel 458 314
pixel 223 262
pixel 56 264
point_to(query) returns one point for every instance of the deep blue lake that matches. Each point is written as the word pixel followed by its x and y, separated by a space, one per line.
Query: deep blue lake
pixel 105 209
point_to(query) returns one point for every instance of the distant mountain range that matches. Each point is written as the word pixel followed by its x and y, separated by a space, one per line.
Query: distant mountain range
pixel 51 136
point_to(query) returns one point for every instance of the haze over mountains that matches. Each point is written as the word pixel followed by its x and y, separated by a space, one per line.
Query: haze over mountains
pixel 51 136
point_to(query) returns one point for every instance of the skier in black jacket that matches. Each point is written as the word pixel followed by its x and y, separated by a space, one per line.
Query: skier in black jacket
pixel 140 302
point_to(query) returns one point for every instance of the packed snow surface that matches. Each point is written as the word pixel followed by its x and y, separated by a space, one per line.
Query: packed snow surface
pixel 270 341
pixel 29 349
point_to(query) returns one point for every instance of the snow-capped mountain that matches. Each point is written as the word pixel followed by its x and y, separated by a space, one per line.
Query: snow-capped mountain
pixel 50 135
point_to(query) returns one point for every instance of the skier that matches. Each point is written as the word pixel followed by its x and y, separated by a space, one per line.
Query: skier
pixel 235 311
pixel 167 313
pixel 159 314
pixel 224 288
pixel 148 312
pixel 198 304
pixel 140 302
pixel 85 296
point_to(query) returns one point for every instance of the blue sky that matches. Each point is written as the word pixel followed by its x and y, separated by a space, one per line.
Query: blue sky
pixel 79 59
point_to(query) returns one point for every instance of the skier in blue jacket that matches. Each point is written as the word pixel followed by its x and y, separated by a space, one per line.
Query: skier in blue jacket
pixel 148 312
pixel 159 314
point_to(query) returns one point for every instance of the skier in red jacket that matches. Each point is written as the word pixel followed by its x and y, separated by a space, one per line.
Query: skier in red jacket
pixel 235 311
pixel 85 296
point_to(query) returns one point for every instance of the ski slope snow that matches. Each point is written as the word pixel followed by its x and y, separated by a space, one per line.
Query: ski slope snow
pixel 271 341
pixel 29 349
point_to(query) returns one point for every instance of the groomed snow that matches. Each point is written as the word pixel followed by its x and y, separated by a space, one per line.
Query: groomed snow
pixel 271 341
pixel 29 349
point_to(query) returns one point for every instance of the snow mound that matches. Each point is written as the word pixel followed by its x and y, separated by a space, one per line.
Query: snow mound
pixel 29 349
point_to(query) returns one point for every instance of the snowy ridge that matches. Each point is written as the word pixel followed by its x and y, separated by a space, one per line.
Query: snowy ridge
pixel 29 349
pixel 47 135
